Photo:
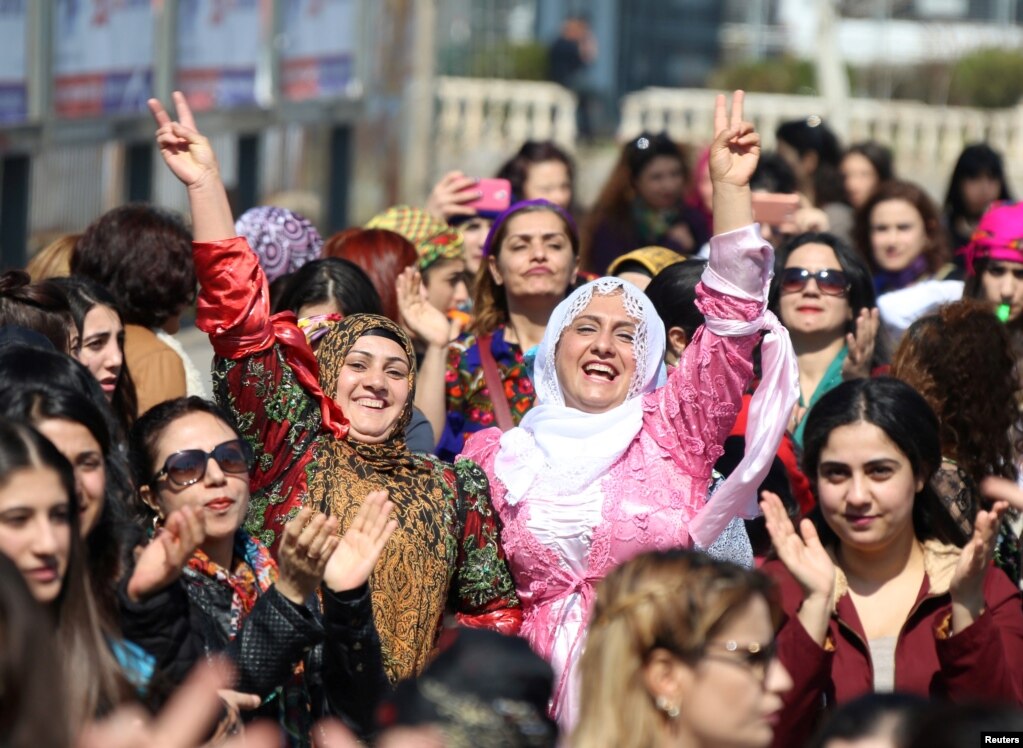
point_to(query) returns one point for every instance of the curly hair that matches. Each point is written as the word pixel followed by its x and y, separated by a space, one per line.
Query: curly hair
pixel 961 361
pixel 937 250
pixel 143 255
pixel 382 254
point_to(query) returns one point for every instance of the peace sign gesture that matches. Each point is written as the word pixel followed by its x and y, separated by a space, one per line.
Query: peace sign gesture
pixel 736 148
pixel 184 149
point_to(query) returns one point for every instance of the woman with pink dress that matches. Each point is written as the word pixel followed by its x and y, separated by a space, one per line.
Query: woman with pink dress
pixel 614 459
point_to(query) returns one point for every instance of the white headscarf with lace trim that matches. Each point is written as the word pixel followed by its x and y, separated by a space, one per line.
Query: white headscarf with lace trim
pixel 564 449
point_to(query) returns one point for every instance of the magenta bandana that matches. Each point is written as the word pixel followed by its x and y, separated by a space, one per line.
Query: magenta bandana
pixel 999 236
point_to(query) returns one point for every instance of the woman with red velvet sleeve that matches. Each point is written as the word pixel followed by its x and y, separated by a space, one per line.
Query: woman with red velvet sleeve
pixel 328 428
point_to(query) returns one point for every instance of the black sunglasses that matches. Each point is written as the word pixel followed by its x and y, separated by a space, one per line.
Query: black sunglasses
pixel 188 466
pixel 830 282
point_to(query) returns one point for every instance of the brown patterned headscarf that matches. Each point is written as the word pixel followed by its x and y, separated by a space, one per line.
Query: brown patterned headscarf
pixel 331 354
pixel 410 582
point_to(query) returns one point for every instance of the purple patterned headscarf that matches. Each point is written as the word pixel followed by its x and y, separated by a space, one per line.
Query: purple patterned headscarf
pixel 573 232
pixel 282 240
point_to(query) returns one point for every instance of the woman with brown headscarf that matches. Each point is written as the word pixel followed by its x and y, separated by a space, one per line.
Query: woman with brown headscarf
pixel 329 428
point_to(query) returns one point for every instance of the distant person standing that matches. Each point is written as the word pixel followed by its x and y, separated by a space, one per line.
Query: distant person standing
pixel 571 54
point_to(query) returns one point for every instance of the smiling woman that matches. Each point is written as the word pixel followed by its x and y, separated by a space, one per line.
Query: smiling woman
pixel 615 458
pixel 328 431
pixel 876 597
pixel 300 633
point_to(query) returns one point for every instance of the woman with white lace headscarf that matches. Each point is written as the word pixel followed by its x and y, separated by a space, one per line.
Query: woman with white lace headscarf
pixel 608 463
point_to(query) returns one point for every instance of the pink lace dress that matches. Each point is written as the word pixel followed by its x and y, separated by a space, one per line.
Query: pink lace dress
pixel 558 548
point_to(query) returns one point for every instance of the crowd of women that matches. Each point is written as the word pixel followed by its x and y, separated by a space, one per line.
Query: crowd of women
pixel 729 460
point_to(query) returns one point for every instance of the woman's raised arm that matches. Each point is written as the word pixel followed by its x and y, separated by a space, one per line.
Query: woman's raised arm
pixel 190 157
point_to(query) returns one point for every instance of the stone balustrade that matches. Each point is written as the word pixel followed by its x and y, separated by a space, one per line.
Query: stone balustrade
pixel 925 139
pixel 480 122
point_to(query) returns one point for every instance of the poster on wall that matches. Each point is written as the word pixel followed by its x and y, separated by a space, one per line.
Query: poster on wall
pixel 318 52
pixel 13 83
pixel 103 57
pixel 218 51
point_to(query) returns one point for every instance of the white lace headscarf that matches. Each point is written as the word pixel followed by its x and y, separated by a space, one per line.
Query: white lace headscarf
pixel 564 448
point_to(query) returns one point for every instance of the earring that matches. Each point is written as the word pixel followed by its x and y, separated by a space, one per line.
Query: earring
pixel 672 710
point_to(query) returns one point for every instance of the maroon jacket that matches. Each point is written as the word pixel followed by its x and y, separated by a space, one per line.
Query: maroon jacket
pixel 982 662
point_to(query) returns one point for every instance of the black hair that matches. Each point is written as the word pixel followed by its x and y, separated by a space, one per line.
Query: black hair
pixel 673 294
pixel 84 295
pixel 773 174
pixel 331 279
pixel 907 420
pixel 879 156
pixel 812 135
pixel 976 160
pixel 862 294
pixel 33 709
pixel 647 146
pixel 516 169
pixel 957 725
pixel 33 402
pixel 94 679
pixel 900 715
pixel 154 422
pixel 41 307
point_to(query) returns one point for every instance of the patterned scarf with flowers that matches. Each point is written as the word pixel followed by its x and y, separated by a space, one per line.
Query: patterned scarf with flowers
pixel 253 574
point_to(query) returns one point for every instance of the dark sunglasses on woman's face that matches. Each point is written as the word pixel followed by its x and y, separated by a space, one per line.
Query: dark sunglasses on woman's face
pixel 188 466
pixel 829 282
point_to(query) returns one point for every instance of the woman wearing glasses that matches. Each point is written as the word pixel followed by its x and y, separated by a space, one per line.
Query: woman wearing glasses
pixel 298 659
pixel 823 294
pixel 876 596
pixel 680 652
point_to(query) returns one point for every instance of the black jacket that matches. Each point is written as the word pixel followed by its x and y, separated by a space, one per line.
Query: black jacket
pixel 336 642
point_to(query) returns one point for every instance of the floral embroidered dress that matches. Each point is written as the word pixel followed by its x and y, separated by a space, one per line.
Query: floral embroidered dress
pixel 564 529
pixel 469 406
pixel 445 554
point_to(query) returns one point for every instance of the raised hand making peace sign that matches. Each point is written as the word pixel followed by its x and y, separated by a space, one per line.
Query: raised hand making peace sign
pixel 189 155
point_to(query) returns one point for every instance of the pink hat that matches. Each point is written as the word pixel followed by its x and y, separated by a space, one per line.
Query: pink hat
pixel 999 235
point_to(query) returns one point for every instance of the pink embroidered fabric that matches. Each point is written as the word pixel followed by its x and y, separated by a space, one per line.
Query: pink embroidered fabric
pixel 649 495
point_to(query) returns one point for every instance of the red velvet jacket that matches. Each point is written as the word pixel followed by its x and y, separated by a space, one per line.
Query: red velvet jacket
pixel 983 662
pixel 285 415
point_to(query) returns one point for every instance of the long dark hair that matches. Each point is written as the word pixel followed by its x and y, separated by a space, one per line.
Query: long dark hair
pixel 977 160
pixel 94 681
pixel 614 203
pixel 907 420
pixel 33 709
pixel 84 295
pixel 106 543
